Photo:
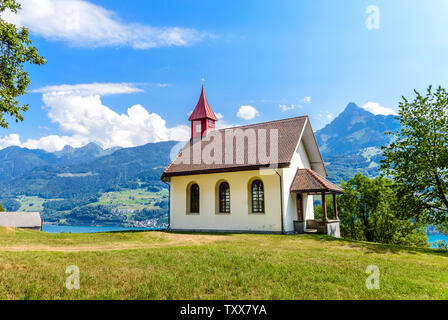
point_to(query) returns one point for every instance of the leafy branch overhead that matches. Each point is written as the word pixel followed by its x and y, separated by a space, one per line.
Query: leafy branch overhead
pixel 15 51
pixel 417 158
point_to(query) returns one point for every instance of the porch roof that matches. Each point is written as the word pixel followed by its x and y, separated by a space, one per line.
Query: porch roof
pixel 308 181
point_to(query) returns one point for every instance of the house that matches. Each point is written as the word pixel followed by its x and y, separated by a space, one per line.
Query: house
pixel 24 220
pixel 255 178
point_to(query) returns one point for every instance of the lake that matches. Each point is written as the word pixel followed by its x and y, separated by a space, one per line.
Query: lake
pixel 433 238
pixel 87 229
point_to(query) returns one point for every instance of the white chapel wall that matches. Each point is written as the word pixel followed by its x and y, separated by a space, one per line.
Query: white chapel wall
pixel 239 218
pixel 300 160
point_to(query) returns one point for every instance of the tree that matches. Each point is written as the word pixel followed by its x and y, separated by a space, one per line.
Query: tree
pixel 417 158
pixel 1 208
pixel 369 210
pixel 15 51
pixel 10 205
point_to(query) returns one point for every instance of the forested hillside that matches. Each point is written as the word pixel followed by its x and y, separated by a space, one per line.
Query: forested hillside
pixel 89 185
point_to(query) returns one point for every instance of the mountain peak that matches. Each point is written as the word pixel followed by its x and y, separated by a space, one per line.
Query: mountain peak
pixel 352 106
pixel 353 110
pixel 354 129
pixel 67 148
pixel 92 146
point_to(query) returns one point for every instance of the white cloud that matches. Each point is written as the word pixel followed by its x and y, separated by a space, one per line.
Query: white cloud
pixel 81 115
pixel 223 125
pixel 307 99
pixel 10 140
pixel 247 113
pixel 53 143
pixel 376 109
pixel 88 89
pixel 84 24
pixel 284 107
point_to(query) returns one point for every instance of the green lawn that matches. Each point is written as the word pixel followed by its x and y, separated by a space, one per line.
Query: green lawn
pixel 158 265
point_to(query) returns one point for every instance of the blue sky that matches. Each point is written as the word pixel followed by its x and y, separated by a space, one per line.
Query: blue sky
pixel 141 64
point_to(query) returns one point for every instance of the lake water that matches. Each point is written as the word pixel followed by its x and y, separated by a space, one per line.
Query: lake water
pixel 435 237
pixel 87 229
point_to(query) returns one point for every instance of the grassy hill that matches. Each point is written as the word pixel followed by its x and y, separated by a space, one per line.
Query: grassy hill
pixel 157 265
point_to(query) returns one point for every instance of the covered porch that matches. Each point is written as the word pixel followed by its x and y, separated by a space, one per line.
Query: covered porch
pixel 308 182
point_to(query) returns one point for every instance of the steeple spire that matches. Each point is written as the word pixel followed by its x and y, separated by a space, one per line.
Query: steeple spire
pixel 203 118
pixel 202 109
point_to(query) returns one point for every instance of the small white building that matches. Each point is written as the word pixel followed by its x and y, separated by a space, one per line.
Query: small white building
pixel 254 178
pixel 24 220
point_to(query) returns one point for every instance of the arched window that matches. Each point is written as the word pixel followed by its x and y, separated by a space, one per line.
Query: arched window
pixel 224 198
pixel 257 197
pixel 194 198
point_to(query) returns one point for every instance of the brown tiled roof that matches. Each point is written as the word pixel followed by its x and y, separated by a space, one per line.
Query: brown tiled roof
pixel 307 181
pixel 289 132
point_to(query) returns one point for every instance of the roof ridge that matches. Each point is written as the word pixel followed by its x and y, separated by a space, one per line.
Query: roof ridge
pixel 317 176
pixel 318 180
pixel 266 122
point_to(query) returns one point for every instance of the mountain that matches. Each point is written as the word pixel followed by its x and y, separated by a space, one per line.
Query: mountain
pixel 124 168
pixel 69 155
pixel 352 142
pixel 355 129
pixel 16 162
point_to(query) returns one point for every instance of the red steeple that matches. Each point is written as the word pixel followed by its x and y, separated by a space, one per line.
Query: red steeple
pixel 203 118
pixel 202 109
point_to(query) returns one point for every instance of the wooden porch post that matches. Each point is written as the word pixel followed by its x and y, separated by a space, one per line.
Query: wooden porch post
pixel 324 207
pixel 299 207
pixel 335 207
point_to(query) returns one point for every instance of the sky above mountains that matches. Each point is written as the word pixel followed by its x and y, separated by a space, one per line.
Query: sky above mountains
pixel 124 73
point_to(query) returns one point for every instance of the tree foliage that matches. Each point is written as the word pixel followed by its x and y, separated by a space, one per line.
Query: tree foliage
pixel 10 205
pixel 1 208
pixel 371 210
pixel 15 51
pixel 417 158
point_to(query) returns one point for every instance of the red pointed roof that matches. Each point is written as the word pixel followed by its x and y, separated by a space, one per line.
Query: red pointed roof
pixel 202 109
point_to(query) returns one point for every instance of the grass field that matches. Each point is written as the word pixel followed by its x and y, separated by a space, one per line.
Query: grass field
pixel 31 203
pixel 159 265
